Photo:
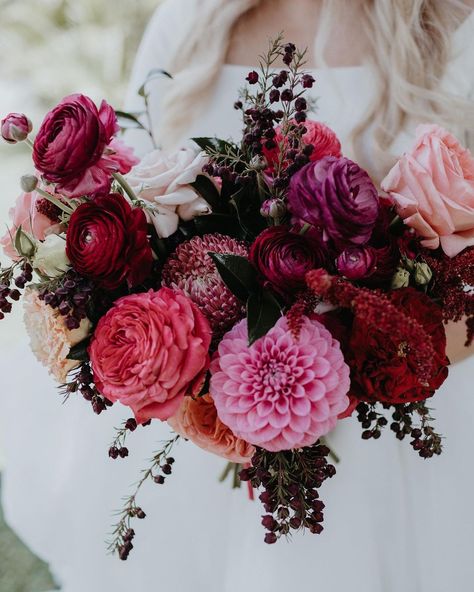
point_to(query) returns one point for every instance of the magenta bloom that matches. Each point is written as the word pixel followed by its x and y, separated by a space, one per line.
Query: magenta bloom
pixel 192 270
pixel 338 198
pixel 280 393
pixel 283 256
pixel 149 351
pixel 74 149
pixel 15 127
pixel 357 263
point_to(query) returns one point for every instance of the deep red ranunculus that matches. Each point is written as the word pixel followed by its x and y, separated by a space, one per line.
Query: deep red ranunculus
pixel 381 369
pixel 107 242
pixel 283 256
pixel 70 148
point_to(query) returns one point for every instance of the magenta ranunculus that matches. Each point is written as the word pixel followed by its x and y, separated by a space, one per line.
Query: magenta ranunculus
pixel 149 351
pixel 15 127
pixel 338 198
pixel 71 148
pixel 357 263
pixel 281 392
pixel 283 256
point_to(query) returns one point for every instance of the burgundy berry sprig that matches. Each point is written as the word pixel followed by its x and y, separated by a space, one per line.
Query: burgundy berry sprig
pixel 81 380
pixel 123 533
pixel 13 279
pixel 290 480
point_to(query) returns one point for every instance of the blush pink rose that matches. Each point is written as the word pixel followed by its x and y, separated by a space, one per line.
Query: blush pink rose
pixel 432 187
pixel 197 421
pixel 149 351
pixel 26 215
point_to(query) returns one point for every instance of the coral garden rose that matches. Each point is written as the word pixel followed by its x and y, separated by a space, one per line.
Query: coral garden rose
pixel 338 198
pixel 283 256
pixel 75 148
pixel 15 127
pixel 380 368
pixel 27 214
pixel 281 392
pixel 191 270
pixel 107 242
pixel 163 179
pixel 149 351
pixel 432 187
pixel 320 136
pixel 50 339
pixel 197 420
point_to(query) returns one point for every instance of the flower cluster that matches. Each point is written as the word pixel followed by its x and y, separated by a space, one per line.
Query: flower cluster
pixel 252 294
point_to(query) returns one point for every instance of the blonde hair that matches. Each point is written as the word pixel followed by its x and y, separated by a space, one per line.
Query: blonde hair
pixel 410 48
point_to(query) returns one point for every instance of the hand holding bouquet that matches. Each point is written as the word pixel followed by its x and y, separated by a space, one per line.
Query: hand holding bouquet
pixel 251 294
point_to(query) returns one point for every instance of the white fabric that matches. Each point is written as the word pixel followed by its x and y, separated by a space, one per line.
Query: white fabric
pixel 393 522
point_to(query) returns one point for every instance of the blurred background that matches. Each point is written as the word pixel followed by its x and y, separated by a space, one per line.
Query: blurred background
pixel 49 49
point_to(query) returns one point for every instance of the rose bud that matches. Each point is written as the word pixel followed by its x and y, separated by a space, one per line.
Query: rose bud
pixel 273 208
pixel 338 197
pixel 423 274
pixel 283 256
pixel 357 263
pixel 15 128
pixel 28 183
pixel 401 279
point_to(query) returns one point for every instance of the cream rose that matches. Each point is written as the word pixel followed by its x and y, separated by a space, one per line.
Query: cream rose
pixel 163 179
pixel 50 258
pixel 50 339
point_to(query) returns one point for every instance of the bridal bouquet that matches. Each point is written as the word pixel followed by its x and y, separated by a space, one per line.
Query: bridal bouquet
pixel 252 294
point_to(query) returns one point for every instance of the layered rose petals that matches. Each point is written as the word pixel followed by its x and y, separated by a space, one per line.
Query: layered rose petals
pixel 149 351
pixel 280 393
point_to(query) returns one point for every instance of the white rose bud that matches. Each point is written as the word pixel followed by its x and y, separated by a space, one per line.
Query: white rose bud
pixel 423 274
pixel 401 279
pixel 50 258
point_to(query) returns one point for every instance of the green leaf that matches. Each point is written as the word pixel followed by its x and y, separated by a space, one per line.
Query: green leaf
pixel 237 274
pixel 152 74
pixel 25 245
pixel 79 351
pixel 130 120
pixel 263 311
pixel 206 189
pixel 247 205
pixel 214 144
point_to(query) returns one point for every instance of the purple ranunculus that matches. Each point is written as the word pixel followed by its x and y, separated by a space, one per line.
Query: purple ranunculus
pixel 283 256
pixel 338 198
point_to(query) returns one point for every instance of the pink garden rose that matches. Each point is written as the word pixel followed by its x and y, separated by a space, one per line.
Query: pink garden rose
pixel 163 179
pixel 149 351
pixel 75 147
pixel 197 420
pixel 26 214
pixel 280 393
pixel 432 187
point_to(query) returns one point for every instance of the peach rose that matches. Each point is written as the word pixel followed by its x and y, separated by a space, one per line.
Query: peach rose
pixel 197 421
pixel 432 188
pixel 26 215
pixel 50 339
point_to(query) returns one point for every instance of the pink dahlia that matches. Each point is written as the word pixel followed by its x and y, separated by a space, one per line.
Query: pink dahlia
pixel 191 270
pixel 280 393
pixel 149 351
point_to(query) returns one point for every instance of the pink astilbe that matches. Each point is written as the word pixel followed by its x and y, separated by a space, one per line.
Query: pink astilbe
pixel 376 310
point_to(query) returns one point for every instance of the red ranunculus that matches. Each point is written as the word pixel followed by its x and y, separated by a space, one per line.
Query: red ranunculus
pixel 320 136
pixel 283 256
pixel 381 370
pixel 70 148
pixel 107 242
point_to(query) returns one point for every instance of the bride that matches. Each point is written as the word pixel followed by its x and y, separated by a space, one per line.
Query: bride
pixel 393 522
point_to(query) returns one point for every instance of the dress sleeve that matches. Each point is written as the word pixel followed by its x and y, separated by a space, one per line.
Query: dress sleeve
pixel 160 41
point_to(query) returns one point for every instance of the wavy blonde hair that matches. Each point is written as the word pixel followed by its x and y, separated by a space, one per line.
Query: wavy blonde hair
pixel 410 48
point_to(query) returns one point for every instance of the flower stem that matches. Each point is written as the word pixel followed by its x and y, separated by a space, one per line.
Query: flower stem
pixel 125 186
pixel 54 200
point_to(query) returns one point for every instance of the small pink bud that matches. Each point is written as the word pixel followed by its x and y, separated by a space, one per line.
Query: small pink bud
pixel 15 128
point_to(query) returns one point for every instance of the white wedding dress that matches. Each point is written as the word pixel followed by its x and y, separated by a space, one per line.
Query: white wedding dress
pixel 393 522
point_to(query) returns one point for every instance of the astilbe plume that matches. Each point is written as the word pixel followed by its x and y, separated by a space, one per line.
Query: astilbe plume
pixel 454 286
pixel 375 309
